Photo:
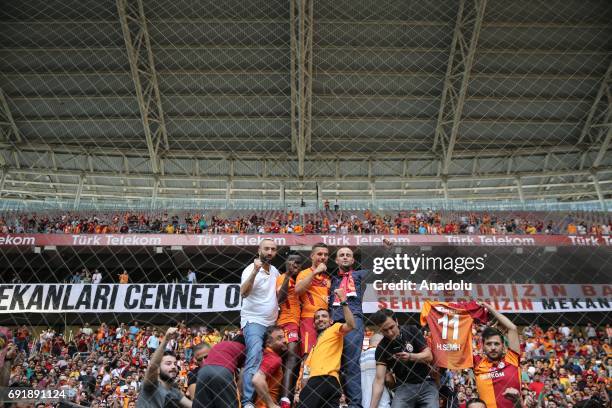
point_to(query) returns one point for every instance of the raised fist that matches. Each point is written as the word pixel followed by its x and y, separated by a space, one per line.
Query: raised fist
pixel 321 268
pixel 171 332
pixel 341 294
pixel 258 264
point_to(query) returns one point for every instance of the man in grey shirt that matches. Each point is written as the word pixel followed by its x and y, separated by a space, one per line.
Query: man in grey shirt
pixel 159 389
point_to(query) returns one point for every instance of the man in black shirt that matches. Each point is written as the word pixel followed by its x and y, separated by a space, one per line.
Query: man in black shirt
pixel 405 352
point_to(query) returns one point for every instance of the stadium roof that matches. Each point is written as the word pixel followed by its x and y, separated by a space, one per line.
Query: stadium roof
pixel 282 100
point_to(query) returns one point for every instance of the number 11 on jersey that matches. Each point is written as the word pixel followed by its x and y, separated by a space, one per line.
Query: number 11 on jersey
pixel 454 321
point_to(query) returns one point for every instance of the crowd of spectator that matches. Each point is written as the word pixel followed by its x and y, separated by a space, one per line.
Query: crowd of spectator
pixel 326 222
pixel 103 366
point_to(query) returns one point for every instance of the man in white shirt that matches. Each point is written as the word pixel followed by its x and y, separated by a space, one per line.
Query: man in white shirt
pixel 368 374
pixel 96 278
pixel 259 311
pixel 86 330
pixel 191 276
pixel 564 330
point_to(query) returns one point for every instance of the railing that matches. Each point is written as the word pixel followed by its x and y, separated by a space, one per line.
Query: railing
pixel 309 205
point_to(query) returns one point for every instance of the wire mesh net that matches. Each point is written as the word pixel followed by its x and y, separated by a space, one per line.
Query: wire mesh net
pixel 281 102
pixel 275 103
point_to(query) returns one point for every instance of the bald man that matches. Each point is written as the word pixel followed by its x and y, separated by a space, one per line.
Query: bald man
pixel 259 311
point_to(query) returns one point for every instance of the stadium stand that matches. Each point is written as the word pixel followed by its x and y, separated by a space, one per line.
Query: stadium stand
pixel 561 364
pixel 423 222
pixel 147 148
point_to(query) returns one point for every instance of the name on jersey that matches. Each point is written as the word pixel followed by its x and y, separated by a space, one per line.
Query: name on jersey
pixel 448 347
pixel 492 374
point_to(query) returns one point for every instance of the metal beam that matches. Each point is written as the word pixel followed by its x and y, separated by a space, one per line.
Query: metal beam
pixel 600 195
pixel 598 108
pixel 519 187
pixel 282 194
pixel 77 198
pixel 142 67
pixel 302 28
pixel 607 128
pixel 5 171
pixel 425 191
pixel 565 194
pixel 8 128
pixel 463 49
pixel 330 179
pixel 245 155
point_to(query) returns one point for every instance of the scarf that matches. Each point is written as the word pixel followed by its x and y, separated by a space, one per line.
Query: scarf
pixel 348 284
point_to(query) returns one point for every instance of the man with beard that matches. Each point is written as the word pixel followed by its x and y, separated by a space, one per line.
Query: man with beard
pixel 159 389
pixel 259 311
pixel 322 368
pixel 498 374
pixel 289 320
pixel 267 380
pixel 312 286
pixel 200 352
pixel 353 284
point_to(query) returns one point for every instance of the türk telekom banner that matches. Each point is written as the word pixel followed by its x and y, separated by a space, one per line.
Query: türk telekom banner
pixel 297 240
pixel 202 298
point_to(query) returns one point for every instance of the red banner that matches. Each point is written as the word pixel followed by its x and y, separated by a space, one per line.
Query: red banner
pixel 9 240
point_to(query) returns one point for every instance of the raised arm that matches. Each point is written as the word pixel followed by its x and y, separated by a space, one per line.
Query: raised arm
pixel 302 286
pixel 513 337
pixel 349 319
pixel 152 372
pixel 283 291
pixel 247 286
pixel 5 371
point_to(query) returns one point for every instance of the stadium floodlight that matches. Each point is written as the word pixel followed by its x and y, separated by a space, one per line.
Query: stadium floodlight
pixel 425 248
pixel 37 250
pixel 159 250
pixel 176 248
pixel 518 250
pixel 550 249
pixel 50 248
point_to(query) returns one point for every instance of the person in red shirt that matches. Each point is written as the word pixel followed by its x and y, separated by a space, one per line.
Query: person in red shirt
pixel 216 383
pixel 537 386
pixel 267 380
pixel 498 374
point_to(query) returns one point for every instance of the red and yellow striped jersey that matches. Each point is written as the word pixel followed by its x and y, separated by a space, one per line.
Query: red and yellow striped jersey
pixel 317 295
pixel 290 309
pixel 493 377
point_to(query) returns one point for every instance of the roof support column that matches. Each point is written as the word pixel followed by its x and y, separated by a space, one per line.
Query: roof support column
pixel 228 192
pixel 144 75
pixel 302 27
pixel 373 193
pixel 597 110
pixel 519 187
pixel 3 179
pixel 460 62
pixel 281 193
pixel 77 198
pixel 445 190
pixel 600 196
pixel 8 127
